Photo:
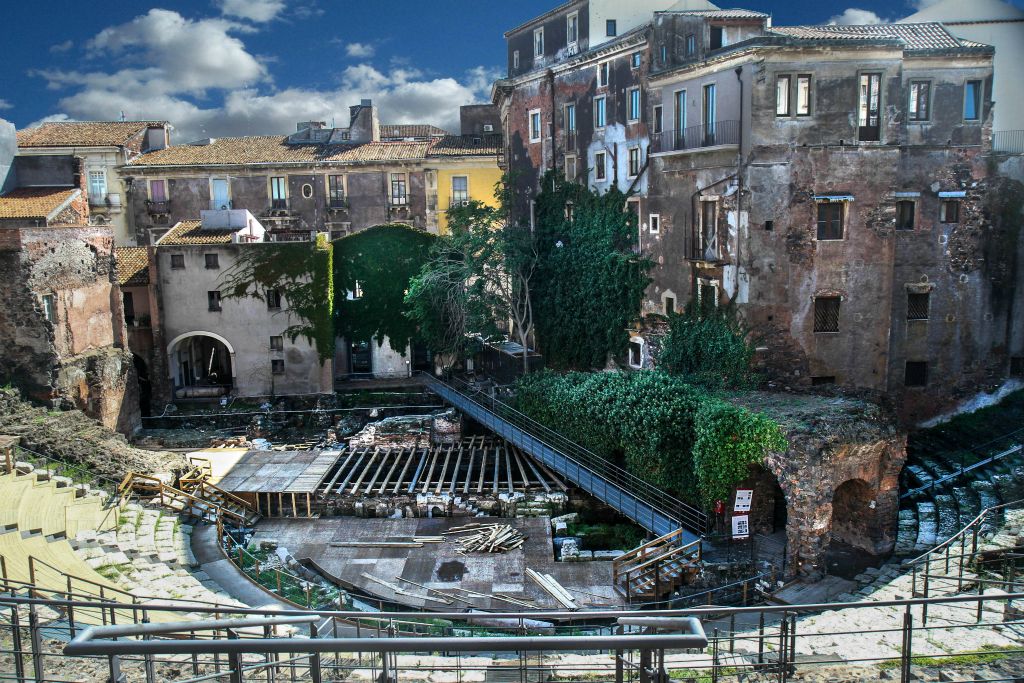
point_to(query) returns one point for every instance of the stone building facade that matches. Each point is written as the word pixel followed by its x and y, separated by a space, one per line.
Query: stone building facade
pixel 832 183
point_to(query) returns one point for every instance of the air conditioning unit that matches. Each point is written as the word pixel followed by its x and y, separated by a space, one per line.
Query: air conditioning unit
pixel 464 202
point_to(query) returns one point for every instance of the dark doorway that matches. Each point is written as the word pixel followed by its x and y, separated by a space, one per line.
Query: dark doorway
pixel 145 387
pixel 360 358
pixel 870 108
pixel 422 357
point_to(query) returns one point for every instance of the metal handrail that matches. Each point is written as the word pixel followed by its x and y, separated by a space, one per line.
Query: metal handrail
pixel 962 471
pixel 962 533
pixel 686 515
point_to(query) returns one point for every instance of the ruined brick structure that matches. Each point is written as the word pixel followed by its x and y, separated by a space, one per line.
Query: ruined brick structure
pixel 834 184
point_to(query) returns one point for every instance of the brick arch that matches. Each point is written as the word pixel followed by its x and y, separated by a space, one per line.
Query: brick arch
pixel 854 514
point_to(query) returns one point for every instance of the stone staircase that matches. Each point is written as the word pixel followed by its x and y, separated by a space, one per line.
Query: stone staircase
pixel 148 554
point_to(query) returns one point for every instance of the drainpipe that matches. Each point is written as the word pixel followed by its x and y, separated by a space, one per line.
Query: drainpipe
pixel 739 180
pixel 551 87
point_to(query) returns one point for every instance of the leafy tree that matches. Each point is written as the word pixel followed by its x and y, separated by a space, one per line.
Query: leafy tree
pixel 378 262
pixel 477 278
pixel 590 281
pixel 709 348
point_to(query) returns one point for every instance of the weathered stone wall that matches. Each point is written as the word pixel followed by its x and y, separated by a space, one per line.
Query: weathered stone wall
pixel 77 358
pixel 832 442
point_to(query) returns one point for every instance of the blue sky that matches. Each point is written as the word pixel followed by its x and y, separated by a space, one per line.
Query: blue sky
pixel 232 67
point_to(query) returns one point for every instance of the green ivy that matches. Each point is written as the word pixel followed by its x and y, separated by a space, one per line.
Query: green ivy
pixel 683 438
pixel 383 260
pixel 709 348
pixel 302 271
pixel 589 282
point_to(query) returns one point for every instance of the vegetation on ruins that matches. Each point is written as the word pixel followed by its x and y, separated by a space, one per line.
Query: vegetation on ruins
pixel 478 277
pixel 372 272
pixel 590 281
pixel 709 347
pixel 303 273
pixel 683 438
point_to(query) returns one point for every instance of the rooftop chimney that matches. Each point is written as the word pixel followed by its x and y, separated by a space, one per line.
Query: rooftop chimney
pixel 365 126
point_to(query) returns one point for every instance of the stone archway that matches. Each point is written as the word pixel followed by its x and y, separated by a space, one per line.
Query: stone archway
pixel 201 365
pixel 853 514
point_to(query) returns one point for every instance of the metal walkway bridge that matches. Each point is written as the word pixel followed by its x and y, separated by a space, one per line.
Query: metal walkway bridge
pixel 645 504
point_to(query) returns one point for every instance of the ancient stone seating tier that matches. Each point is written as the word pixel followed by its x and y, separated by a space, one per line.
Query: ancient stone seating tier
pixel 148 554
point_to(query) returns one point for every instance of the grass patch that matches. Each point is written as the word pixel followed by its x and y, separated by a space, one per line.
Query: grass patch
pixel 989 654
pixel 112 572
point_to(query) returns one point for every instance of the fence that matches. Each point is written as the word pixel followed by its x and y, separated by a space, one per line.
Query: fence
pixel 168 642
pixel 696 137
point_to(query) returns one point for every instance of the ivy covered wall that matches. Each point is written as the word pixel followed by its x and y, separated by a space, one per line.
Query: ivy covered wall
pixel 375 266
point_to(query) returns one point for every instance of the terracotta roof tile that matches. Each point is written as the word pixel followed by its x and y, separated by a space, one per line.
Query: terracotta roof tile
pixel 466 146
pixel 930 36
pixel 132 266
pixel 35 202
pixel 83 133
pixel 275 149
pixel 193 232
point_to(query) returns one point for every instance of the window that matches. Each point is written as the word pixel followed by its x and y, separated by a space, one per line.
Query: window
pixel 919 100
pixel 212 261
pixel 803 95
pixel 213 300
pixel 830 220
pixel 670 305
pixel 277 366
pixel 220 194
pixel 636 60
pixel 570 167
pixel 600 112
pixel 570 118
pixel 782 96
pixel 658 122
pixel 664 54
pixel 1017 366
pixel 634 162
pixel 538 42
pixel 399 193
pixel 691 44
pixel 336 191
pixel 710 114
pixel 177 261
pixel 972 100
pixel 707 245
pixel 572 28
pixel 917 306
pixel 460 189
pixel 826 314
pixel 680 118
pixel 916 373
pixel 97 185
pixel 769 226
pixel 707 294
pixel 535 126
pixel 278 193
pixel 273 299
pixel 357 293
pixel 655 223
pixel 600 166
pixel 634 104
pixel 307 191
pixel 869 108
pixel 128 304
pixel 602 75
pixel 611 28
pixel 277 343
pixel 49 307
pixel 949 211
pixel 158 190
pixel 570 211
pixel 515 59
pixel 904 215
pixel 717 37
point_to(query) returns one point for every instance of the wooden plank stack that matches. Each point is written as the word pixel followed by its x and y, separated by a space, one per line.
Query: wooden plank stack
pixel 553 588
pixel 487 538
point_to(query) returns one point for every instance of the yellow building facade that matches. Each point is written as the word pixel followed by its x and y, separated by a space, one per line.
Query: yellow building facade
pixel 466 170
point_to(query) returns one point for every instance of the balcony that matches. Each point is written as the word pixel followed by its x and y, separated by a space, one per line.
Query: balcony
pixel 719 134
pixel 338 204
pixel 221 204
pixel 110 200
pixel 279 204
pixel 158 207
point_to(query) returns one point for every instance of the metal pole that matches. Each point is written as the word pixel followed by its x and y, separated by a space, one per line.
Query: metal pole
pixel 714 658
pixel 148 659
pixel 19 654
pixel 37 643
pixel 908 625
pixel 314 658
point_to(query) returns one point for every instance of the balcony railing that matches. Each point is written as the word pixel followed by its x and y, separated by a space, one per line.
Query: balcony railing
pixel 1008 141
pixel 696 137
pixel 279 204
pixel 220 204
pixel 158 206
pixel 337 203
pixel 398 201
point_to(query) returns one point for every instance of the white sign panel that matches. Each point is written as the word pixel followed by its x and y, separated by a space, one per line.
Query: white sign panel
pixel 741 526
pixel 743 498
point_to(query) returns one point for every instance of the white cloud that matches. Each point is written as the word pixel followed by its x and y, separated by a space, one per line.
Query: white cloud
pixel 62 47
pixel 4 104
pixel 855 16
pixel 49 119
pixel 260 11
pixel 199 75
pixel 922 4
pixel 360 50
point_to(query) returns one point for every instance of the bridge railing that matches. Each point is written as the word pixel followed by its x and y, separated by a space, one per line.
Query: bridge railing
pixel 686 515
